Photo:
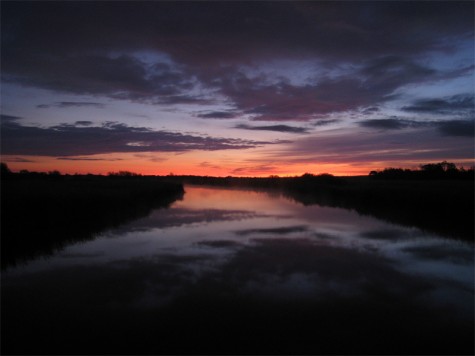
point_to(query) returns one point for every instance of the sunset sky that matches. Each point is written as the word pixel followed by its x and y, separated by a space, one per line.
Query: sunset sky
pixel 236 88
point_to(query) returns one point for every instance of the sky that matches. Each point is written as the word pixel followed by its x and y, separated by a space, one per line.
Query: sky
pixel 236 88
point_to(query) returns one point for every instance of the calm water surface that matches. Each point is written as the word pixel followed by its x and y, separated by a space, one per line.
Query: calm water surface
pixel 234 271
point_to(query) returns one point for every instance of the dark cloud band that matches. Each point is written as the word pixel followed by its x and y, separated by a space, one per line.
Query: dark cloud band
pixel 72 140
pixel 464 128
pixel 278 128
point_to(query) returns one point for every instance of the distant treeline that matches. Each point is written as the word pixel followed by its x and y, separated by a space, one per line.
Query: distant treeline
pixel 6 173
pixel 442 170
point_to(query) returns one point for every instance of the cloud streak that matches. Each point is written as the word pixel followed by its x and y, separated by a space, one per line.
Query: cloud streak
pixel 451 105
pixel 390 124
pixel 278 128
pixel 462 128
pixel 285 230
pixel 71 104
pixel 9 118
pixel 70 140
pixel 218 115
pixel 358 148
pixel 87 159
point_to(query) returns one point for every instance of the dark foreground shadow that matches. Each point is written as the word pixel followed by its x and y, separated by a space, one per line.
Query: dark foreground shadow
pixel 40 216
pixel 273 296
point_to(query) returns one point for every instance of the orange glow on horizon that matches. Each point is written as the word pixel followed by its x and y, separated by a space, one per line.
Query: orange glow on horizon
pixel 193 164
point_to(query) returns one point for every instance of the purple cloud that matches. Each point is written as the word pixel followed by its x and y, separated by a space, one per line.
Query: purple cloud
pixel 87 159
pixel 8 118
pixel 463 128
pixel 325 122
pixel 70 104
pixel 370 83
pixel 19 159
pixel 83 123
pixel 452 105
pixel 421 144
pixel 390 124
pixel 208 45
pixel 218 115
pixel 71 140
pixel 277 128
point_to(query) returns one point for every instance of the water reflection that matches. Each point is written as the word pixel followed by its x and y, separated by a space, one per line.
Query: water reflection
pixel 41 217
pixel 230 271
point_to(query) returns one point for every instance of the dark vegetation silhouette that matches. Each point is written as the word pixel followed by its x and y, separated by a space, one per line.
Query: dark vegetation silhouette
pixel 443 206
pixel 442 170
pixel 44 212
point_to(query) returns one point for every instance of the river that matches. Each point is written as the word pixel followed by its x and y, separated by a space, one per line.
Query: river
pixel 237 271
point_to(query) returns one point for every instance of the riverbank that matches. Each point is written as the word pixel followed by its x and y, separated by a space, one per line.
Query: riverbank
pixel 445 207
pixel 442 206
pixel 40 215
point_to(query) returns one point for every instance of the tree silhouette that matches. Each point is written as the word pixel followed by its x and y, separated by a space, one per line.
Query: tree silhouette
pixel 439 167
pixel 5 171
pixel 441 170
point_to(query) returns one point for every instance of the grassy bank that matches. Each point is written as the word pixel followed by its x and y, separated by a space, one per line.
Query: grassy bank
pixel 42 214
